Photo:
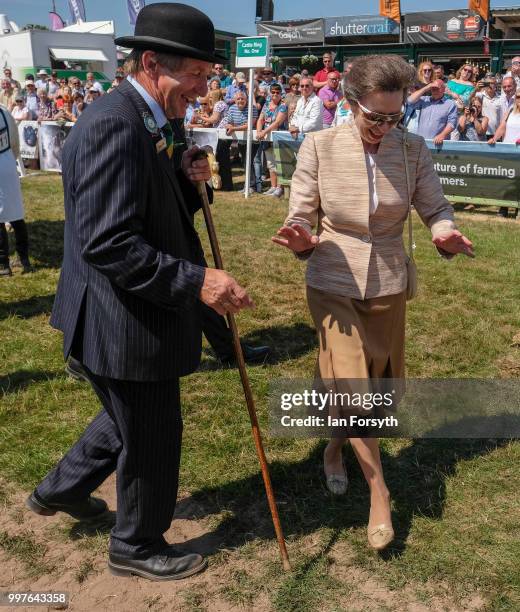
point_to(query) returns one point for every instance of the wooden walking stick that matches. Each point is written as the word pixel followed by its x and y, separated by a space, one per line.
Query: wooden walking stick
pixel 201 186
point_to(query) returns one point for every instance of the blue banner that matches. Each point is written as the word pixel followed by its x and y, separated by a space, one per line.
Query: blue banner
pixel 363 25
pixel 134 6
pixel 77 10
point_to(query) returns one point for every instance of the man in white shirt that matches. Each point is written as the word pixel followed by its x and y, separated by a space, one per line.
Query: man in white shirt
pixel 508 94
pixel 41 83
pixel 515 70
pixel 491 104
pixel 308 116
pixel 91 82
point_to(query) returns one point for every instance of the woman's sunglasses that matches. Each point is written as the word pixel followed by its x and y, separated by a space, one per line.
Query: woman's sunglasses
pixel 380 118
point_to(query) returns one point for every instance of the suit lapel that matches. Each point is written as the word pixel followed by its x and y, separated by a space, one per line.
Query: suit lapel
pixel 127 90
pixel 167 165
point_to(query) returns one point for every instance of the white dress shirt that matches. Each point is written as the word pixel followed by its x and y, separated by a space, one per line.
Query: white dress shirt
pixel 506 104
pixel 157 111
pixel 308 116
pixel 492 109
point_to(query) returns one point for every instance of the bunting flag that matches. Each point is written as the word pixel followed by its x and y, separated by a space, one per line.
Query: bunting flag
pixel 56 21
pixel 390 9
pixel 481 7
pixel 77 10
pixel 134 6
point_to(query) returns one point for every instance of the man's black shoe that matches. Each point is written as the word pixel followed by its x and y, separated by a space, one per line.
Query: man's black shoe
pixel 252 354
pixel 76 370
pixel 85 510
pixel 170 564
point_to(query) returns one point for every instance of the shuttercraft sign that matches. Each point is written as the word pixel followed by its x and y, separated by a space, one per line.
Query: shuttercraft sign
pixel 284 33
pixel 443 26
pixel 363 25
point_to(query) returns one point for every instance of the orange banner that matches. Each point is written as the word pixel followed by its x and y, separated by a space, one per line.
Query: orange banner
pixel 390 9
pixel 481 7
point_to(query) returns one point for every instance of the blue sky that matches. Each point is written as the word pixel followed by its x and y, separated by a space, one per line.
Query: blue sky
pixel 232 15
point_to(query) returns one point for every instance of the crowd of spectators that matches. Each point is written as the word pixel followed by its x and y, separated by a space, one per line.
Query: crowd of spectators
pixel 49 97
pixel 464 105
pixel 299 104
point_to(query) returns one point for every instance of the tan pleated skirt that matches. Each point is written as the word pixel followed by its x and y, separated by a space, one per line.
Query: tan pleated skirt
pixel 359 339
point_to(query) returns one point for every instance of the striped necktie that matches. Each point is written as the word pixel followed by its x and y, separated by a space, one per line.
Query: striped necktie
pixel 168 135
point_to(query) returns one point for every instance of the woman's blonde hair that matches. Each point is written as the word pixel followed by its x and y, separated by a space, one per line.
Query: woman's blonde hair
pixel 215 95
pixel 516 105
pixel 421 68
pixel 459 71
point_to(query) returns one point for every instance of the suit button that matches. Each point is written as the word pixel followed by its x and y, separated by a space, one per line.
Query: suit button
pixel 366 238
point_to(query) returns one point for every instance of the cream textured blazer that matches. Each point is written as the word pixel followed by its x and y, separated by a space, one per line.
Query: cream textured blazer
pixel 359 255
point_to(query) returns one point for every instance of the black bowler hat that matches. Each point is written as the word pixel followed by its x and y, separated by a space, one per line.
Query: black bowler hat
pixel 174 28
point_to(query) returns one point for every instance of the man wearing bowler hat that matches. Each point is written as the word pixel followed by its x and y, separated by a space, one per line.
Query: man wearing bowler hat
pixel 131 289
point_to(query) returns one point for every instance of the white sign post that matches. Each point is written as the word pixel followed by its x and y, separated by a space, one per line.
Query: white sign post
pixel 252 52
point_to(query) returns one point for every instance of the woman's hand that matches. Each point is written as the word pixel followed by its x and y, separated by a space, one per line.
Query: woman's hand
pixel 454 242
pixel 296 238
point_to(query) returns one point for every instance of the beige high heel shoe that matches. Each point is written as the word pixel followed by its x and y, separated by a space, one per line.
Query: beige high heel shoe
pixel 380 536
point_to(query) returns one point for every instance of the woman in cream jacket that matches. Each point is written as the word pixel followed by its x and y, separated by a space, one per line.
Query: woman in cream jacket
pixel 350 184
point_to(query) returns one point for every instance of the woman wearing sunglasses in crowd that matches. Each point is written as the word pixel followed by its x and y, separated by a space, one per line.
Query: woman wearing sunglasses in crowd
pixel 461 87
pixel 424 74
pixel 350 184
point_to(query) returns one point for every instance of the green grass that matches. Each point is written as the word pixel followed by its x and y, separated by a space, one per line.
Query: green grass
pixel 456 502
pixel 28 551
pixel 84 570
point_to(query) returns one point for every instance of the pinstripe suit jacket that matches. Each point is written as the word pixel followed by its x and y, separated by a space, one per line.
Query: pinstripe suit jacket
pixel 361 255
pixel 133 265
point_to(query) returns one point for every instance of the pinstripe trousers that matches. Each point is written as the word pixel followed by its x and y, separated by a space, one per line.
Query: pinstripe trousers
pixel 138 433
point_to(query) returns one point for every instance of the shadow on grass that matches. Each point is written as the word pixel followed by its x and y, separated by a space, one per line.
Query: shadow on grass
pixel 103 525
pixel 10 383
pixel 285 341
pixel 26 309
pixel 488 211
pixel 46 243
pixel 416 478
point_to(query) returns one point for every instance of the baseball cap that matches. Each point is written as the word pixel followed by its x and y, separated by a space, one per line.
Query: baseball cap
pixel 27 83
